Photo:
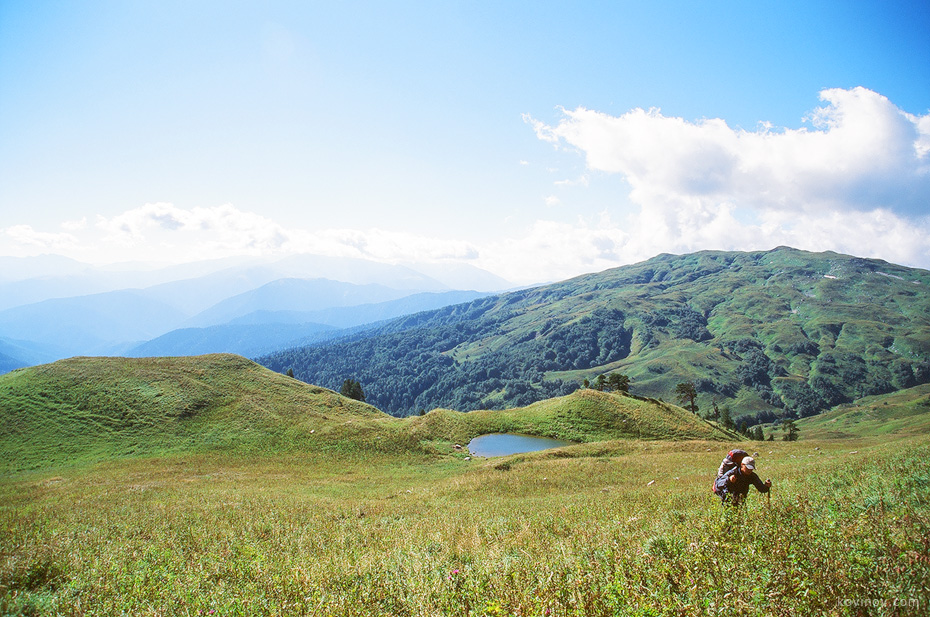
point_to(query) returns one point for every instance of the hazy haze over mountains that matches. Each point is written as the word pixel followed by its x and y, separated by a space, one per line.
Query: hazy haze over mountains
pixel 53 307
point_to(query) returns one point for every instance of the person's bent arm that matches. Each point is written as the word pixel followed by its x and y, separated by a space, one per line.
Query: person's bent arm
pixel 763 487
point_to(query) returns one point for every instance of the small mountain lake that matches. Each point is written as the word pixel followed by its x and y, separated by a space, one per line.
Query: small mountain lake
pixel 502 444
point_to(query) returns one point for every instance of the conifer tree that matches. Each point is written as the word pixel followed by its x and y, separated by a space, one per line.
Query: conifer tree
pixel 687 395
pixel 725 419
pixel 790 430
pixel 352 389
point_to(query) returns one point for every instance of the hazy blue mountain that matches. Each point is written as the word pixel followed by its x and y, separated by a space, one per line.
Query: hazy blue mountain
pixel 266 331
pixel 8 363
pixel 245 340
pixel 294 295
pixel 196 286
pixel 21 268
pixel 34 279
pixel 96 324
pixel 195 295
pixel 464 276
pixel 357 271
pixel 349 316
pixel 24 353
pixel 64 307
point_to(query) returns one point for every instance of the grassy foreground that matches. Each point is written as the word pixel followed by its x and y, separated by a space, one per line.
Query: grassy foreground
pixel 616 528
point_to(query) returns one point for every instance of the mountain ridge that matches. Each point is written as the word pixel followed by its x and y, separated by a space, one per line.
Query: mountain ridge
pixel 767 333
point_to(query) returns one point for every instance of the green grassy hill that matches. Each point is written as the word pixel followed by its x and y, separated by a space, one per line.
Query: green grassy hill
pixel 98 408
pixel 899 414
pixel 93 409
pixel 584 415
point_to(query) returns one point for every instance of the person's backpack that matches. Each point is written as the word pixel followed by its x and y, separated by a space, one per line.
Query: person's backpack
pixel 731 460
pixel 720 485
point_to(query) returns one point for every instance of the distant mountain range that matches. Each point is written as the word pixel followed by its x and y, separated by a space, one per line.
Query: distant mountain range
pixel 767 334
pixel 52 307
pixel 265 331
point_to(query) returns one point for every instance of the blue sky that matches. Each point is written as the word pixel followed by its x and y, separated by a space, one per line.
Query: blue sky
pixel 537 140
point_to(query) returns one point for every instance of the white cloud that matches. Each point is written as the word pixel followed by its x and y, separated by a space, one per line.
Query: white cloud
pixel 547 250
pixel 550 251
pixel 858 180
pixel 553 201
pixel 27 237
pixel 544 251
pixel 75 225
pixel 205 232
pixel 861 151
pixel 165 232
pixel 582 181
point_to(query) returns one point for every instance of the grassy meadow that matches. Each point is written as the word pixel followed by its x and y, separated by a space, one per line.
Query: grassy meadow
pixel 616 528
pixel 247 493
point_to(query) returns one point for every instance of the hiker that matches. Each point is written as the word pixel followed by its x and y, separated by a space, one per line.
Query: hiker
pixel 733 486
pixel 731 460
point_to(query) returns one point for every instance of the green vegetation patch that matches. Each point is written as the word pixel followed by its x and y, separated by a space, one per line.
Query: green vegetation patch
pixel 906 412
pixel 628 528
pixel 88 409
pixel 584 416
pixel 85 410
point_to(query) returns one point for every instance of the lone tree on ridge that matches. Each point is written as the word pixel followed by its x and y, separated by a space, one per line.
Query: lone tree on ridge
pixel 618 382
pixel 687 395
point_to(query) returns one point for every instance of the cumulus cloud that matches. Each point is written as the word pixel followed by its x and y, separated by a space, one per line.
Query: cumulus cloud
pixel 547 250
pixel 858 177
pixel 165 231
pixel 207 232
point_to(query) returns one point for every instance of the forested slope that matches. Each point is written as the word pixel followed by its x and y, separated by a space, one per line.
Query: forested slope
pixel 766 333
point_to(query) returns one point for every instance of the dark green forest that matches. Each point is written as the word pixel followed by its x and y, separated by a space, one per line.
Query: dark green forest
pixel 782 333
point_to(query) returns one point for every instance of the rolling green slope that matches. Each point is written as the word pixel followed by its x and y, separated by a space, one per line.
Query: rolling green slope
pixel 85 410
pixel 584 415
pixel 900 414
pixel 781 332
pixel 98 408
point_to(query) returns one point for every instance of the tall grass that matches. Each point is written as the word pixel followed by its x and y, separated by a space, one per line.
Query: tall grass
pixel 627 528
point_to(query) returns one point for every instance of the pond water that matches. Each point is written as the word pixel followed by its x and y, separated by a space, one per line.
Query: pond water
pixel 502 444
